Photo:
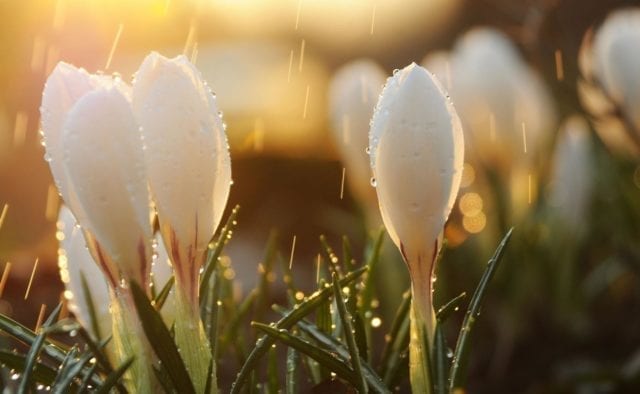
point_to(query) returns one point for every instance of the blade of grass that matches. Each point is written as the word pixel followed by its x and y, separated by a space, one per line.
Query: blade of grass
pixel 303 309
pixel 292 366
pixel 272 371
pixel 84 384
pixel 331 255
pixel 114 377
pixel 216 251
pixel 322 356
pixel 401 318
pixel 62 368
pixel 366 295
pixel 440 361
pixel 25 335
pixel 447 309
pixel 161 298
pixel 72 372
pixel 461 354
pixel 32 356
pixel 16 362
pixel 161 340
pixel 345 317
pixel 332 345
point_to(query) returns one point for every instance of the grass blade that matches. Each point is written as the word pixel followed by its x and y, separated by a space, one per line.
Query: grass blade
pixel 161 341
pixel 447 309
pixel 348 330
pixel 332 345
pixel 440 361
pixel 460 357
pixel 303 309
pixel 41 372
pixel 292 366
pixel 400 321
pixel 162 296
pixel 34 351
pixel 26 336
pixel 212 258
pixel 272 371
pixel 328 360
pixel 71 373
pixel 112 380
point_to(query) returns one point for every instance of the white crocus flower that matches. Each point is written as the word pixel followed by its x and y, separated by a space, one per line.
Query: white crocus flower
pixel 187 159
pixel 353 95
pixel 416 150
pixel 496 95
pixel 616 61
pixel 189 170
pixel 572 175
pixel 96 157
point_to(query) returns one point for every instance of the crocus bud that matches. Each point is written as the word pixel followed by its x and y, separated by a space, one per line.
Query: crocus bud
pixel 616 61
pixel 416 149
pixel 572 175
pixel 353 95
pixel 189 172
pixel 187 159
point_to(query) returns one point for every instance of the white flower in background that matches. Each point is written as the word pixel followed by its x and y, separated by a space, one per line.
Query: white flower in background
pixel 496 93
pixel 96 157
pixel 75 262
pixel 616 61
pixel 572 174
pixel 187 159
pixel 609 87
pixel 353 94
pixel 416 149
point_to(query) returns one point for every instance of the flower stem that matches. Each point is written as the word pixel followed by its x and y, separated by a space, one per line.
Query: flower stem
pixel 422 333
pixel 192 341
pixel 129 340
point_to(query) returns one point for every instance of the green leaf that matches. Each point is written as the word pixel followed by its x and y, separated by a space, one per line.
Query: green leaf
pixel 447 309
pixel 366 295
pixel 212 259
pixel 302 310
pixel 331 255
pixel 162 296
pixel 26 336
pixel 68 375
pixel 292 366
pixel 34 351
pixel 161 341
pixel 62 368
pixel 41 372
pixel 361 335
pixel 398 337
pixel 332 345
pixel 461 354
pixel 87 378
pixel 272 371
pixel 348 331
pixel 327 359
pixel 349 265
pixel 112 380
pixel 440 360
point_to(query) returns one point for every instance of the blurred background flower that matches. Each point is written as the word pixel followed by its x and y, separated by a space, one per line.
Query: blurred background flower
pixel 270 64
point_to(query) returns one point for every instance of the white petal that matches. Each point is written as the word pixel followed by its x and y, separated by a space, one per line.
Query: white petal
pixel 186 150
pixel 616 60
pixel 353 95
pixel 74 262
pixel 572 175
pixel 495 92
pixel 103 159
pixel 418 159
